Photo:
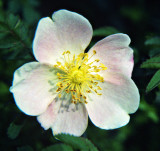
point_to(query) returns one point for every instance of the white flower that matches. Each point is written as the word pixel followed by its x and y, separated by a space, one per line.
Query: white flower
pixel 66 84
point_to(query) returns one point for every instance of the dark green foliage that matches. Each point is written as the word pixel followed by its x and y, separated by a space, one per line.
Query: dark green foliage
pixel 14 130
pixel 25 148
pixel 27 8
pixel 154 52
pixel 14 39
pixel 77 143
pixel 149 110
pixel 155 81
pixel 153 41
pixel 58 147
pixel 152 63
pixel 105 31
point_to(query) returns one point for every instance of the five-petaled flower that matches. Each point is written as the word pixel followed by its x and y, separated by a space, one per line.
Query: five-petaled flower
pixel 67 84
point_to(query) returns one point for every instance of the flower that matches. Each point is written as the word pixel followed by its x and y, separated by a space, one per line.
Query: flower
pixel 67 84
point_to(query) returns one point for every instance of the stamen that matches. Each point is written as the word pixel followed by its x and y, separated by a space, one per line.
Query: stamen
pixel 94 52
pixel 59 95
pixel 79 76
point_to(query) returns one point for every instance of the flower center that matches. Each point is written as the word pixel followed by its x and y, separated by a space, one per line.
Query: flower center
pixel 79 76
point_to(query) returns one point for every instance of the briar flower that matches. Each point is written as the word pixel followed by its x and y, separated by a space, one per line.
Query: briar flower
pixel 67 84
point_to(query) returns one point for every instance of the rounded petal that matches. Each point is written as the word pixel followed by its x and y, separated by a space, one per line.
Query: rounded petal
pixel 48 118
pixel 113 51
pixel 33 87
pixel 106 115
pixel 119 97
pixel 70 118
pixel 67 31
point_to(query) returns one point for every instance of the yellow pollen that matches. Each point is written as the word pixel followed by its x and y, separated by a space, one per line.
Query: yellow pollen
pixel 59 95
pixel 78 77
pixel 97 60
pixel 94 52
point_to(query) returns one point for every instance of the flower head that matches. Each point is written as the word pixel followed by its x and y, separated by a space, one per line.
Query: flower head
pixel 67 84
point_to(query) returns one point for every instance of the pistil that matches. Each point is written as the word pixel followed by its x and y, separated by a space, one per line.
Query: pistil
pixel 79 77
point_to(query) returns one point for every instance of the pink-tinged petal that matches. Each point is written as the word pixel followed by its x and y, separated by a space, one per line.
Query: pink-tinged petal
pixel 113 51
pixel 64 117
pixel 34 87
pixel 67 31
pixel 106 115
pixel 48 118
pixel 119 97
pixel 70 119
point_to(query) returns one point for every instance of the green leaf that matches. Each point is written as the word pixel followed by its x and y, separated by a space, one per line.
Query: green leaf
pixel 155 81
pixel 79 143
pixel 1 4
pixel 25 148
pixel 153 41
pixel 154 52
pixel 15 41
pixel 4 89
pixel 150 111
pixel 27 9
pixel 8 43
pixel 105 31
pixel 12 21
pixel 31 16
pixel 58 147
pixel 151 63
pixel 13 130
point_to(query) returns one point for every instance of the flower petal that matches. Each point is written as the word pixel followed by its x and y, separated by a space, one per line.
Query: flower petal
pixel 119 97
pixel 33 87
pixel 70 118
pixel 113 51
pixel 48 118
pixel 67 31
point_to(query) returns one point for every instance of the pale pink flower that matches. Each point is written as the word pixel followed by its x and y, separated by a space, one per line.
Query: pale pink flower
pixel 66 84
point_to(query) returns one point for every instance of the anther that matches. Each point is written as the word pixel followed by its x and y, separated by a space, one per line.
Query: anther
pixel 78 77
pixel 97 70
pixel 80 94
pixel 59 63
pixel 95 90
pixel 88 91
pixel 94 52
pixel 84 97
pixel 59 89
pixel 67 91
pixel 64 53
pixel 99 88
pixel 85 102
pixel 99 93
pixel 73 97
pixel 58 74
pixel 68 52
pixel 90 86
pixel 59 95
pixel 97 60
pixel 95 83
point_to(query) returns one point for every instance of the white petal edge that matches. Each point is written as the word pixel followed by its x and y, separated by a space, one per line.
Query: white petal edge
pixel 113 51
pixel 119 97
pixel 32 88
pixel 71 119
pixel 67 31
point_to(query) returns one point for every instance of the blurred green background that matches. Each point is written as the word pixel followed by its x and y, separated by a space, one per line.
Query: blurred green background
pixel 140 19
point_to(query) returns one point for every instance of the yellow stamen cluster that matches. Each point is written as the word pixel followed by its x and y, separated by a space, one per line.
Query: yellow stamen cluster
pixel 79 76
